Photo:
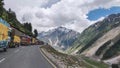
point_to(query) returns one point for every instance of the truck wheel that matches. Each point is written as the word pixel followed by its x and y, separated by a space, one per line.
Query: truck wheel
pixel 18 45
pixel 5 49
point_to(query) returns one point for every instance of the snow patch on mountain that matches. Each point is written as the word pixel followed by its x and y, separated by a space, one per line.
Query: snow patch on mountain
pixel 60 37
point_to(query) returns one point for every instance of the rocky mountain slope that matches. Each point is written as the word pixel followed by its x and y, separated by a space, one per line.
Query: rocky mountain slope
pixel 90 35
pixel 109 39
pixel 60 37
pixel 107 47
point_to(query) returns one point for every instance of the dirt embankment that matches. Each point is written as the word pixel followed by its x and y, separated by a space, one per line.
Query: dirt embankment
pixel 61 60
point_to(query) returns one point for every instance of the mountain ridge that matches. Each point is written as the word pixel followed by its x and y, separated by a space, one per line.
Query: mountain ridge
pixel 94 32
pixel 59 37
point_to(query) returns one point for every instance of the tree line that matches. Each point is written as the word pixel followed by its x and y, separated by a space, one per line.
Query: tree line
pixel 10 17
pixel 30 28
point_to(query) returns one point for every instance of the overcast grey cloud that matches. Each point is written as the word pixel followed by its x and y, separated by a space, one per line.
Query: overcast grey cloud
pixel 49 3
pixel 47 14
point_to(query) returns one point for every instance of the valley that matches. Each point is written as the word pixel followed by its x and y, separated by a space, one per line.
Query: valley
pixel 59 34
pixel 98 43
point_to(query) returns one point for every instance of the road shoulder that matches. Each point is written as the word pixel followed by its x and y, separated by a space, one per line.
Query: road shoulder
pixel 43 52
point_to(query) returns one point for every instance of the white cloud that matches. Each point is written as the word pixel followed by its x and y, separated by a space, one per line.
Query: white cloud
pixel 47 14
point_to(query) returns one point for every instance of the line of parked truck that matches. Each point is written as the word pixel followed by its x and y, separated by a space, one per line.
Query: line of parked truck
pixel 11 37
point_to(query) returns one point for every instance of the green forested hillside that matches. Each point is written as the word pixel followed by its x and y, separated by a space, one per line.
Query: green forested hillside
pixel 10 17
pixel 94 32
pixel 102 48
pixel 114 50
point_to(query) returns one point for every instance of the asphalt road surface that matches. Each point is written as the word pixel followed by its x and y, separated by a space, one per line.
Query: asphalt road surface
pixel 23 57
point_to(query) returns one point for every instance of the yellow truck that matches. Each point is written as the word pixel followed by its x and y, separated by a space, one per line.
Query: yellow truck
pixel 5 31
pixel 16 41
pixel 37 42
pixel 33 41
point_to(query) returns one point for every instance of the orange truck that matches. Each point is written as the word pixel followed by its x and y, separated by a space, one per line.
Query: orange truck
pixel 25 40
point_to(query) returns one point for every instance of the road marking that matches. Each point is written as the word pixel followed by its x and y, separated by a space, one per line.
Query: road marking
pixel 23 47
pixel 41 51
pixel 17 50
pixel 2 60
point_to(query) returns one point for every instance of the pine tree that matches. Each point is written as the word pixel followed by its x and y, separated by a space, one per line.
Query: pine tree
pixel 35 33
pixel 1 7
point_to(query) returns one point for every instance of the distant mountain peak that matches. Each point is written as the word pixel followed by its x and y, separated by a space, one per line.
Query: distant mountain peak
pixel 60 37
pixel 63 29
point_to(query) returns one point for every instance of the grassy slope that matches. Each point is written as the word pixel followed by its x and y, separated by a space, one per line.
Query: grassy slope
pixel 112 51
pixel 96 63
pixel 91 34
pixel 101 49
pixel 70 60
pixel 109 49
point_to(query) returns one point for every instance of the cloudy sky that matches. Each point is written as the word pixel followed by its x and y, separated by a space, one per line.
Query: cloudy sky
pixel 73 14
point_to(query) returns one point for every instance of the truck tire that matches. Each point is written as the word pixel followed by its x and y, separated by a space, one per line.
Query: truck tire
pixel 4 49
pixel 18 45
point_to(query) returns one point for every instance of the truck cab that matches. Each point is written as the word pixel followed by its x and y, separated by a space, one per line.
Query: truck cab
pixel 5 30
